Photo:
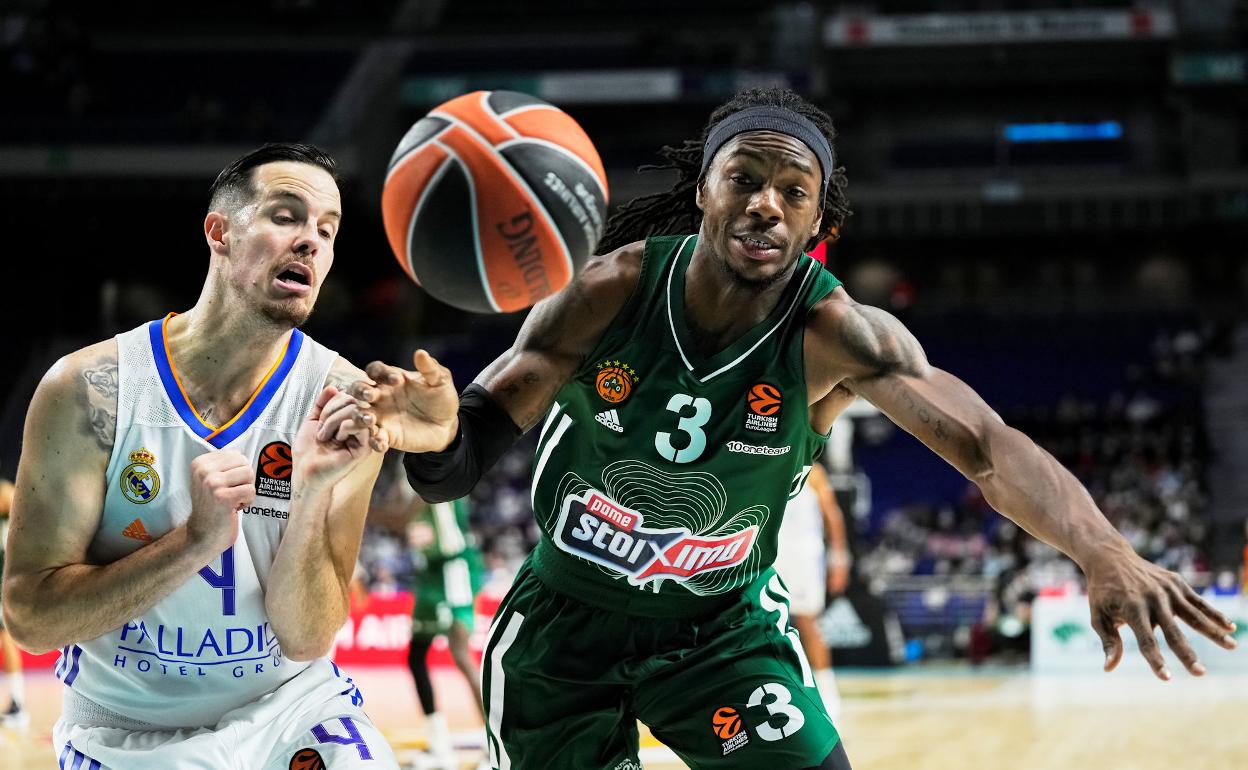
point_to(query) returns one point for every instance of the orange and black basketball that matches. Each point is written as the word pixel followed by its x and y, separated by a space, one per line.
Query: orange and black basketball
pixel 493 200
pixel 307 759
pixel 764 399
pixel 727 722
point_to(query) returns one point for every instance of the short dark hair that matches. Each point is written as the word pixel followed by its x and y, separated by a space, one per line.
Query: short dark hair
pixel 675 211
pixel 234 185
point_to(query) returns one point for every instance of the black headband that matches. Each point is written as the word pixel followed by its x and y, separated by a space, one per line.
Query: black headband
pixel 768 118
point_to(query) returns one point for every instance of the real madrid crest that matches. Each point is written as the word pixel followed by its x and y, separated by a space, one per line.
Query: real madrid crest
pixel 139 481
pixel 614 381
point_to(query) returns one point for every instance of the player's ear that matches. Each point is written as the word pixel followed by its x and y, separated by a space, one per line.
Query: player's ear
pixel 700 196
pixel 215 225
pixel 814 228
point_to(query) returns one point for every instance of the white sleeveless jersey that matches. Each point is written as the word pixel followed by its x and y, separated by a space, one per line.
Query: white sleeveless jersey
pixel 208 647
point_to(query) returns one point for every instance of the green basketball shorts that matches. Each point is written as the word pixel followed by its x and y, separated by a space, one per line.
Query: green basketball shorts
pixel 565 683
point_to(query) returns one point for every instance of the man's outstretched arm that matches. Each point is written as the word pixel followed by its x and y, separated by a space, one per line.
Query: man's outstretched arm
pixel 452 440
pixel 873 354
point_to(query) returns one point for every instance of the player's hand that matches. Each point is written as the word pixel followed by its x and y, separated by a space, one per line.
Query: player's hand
pixel 1124 589
pixel 838 577
pixel 415 411
pixel 222 483
pixel 338 433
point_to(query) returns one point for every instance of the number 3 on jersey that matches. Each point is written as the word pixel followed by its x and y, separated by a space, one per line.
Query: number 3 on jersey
pixel 690 425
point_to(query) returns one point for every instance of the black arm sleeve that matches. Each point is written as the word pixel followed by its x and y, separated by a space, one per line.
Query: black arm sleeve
pixel 486 431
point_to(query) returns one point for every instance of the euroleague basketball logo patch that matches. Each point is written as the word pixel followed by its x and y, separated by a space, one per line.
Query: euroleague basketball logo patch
pixel 307 759
pixel 614 381
pixel 273 469
pixel 762 408
pixel 727 724
pixel 140 482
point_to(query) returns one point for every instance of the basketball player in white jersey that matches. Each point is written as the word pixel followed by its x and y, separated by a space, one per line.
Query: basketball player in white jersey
pixel 178 530
pixel 812 558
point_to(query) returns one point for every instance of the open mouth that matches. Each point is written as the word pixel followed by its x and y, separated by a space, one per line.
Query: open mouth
pixel 295 277
pixel 758 246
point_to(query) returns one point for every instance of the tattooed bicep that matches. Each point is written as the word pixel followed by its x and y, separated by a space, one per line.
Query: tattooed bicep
pixel 101 386
pixel 880 343
pixel 342 374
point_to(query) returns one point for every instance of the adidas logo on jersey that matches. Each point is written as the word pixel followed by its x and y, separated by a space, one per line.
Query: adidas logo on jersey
pixel 610 419
pixel 136 531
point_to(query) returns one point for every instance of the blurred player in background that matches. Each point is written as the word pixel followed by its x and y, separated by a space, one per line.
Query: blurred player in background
pixel 812 558
pixel 180 532
pixel 447 577
pixel 718 356
pixel 16 714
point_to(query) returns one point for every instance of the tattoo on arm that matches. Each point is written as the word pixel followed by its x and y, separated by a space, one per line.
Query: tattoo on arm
pixel 101 388
pixel 879 341
pixel 341 376
pixel 939 430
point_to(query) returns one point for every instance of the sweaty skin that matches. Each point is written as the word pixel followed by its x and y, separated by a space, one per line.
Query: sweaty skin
pixel 760 207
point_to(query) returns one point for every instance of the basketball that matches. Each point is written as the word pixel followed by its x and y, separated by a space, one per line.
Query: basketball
pixel 493 200
pixel 307 759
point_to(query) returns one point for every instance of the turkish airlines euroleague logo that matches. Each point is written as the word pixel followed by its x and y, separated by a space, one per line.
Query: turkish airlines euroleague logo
pixel 273 469
pixel 728 726
pixel 762 413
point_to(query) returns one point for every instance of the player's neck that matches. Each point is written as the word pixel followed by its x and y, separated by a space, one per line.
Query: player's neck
pixel 719 308
pixel 221 356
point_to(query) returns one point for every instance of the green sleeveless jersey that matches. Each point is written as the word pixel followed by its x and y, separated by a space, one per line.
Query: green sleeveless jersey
pixel 445 532
pixel 661 476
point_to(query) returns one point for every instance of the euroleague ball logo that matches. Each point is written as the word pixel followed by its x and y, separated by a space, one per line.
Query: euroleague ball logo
pixel 614 381
pixel 763 404
pixel 727 722
pixel 273 469
pixel 764 399
pixel 307 759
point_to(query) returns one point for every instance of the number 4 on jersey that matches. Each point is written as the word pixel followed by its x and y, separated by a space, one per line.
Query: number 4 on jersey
pixel 223 580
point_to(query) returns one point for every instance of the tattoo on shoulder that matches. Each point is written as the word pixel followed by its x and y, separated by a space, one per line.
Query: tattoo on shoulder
pixel 341 375
pixel 101 391
pixel 877 339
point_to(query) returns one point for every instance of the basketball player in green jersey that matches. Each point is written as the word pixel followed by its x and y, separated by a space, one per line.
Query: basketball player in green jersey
pixel 448 576
pixel 684 382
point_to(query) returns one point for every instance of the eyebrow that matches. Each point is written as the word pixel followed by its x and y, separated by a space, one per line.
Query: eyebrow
pixel 290 195
pixel 789 160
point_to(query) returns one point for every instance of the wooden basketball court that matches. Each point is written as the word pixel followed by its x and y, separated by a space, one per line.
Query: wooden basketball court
pixel 919 719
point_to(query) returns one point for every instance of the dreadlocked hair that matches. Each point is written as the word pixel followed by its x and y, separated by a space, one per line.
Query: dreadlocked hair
pixel 675 211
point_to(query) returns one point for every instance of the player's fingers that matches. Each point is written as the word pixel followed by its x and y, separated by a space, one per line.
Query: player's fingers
pixel 1178 643
pixel 358 424
pixel 327 393
pixel 430 370
pixel 384 374
pixel 380 441
pixel 1197 615
pixel 342 407
pixel 364 390
pixel 1111 643
pixel 235 476
pixel 1139 622
pixel 1195 600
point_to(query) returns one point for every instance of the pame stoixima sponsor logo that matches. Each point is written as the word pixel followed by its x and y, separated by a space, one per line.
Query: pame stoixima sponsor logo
pixel 595 527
